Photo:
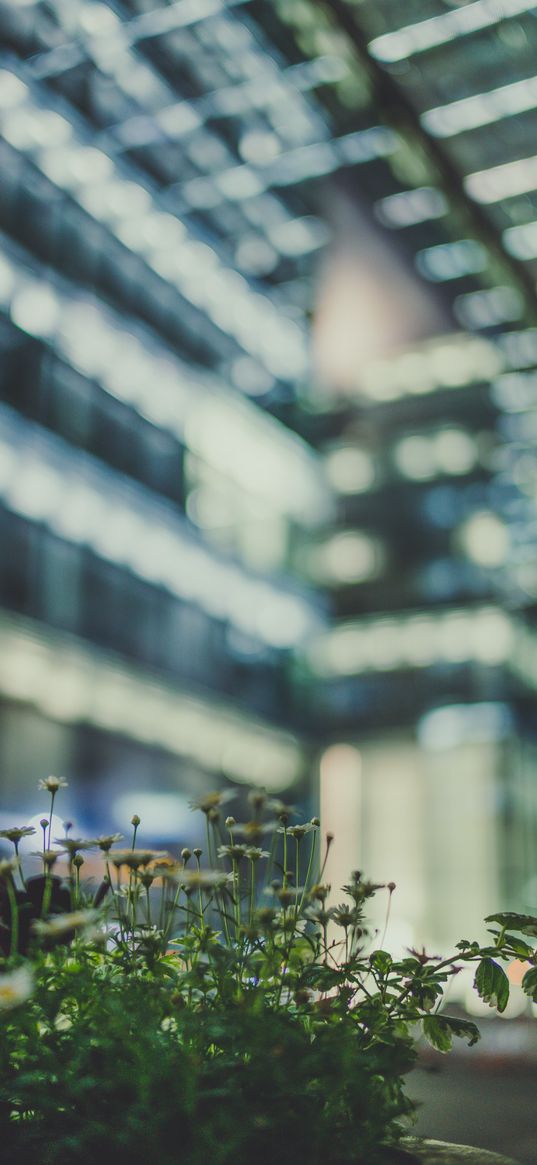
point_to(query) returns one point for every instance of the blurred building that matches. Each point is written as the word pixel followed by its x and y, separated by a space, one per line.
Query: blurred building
pixel 148 502
pixel 268 419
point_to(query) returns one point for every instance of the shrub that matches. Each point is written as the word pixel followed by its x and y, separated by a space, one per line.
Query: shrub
pixel 215 1011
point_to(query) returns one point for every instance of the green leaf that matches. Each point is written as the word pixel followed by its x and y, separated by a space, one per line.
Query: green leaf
pixel 519 947
pixel 426 995
pixel 492 984
pixel 525 923
pixel 529 983
pixel 463 1029
pixel 407 966
pixel 322 977
pixel 440 1029
pixel 381 961
pixel 437 1032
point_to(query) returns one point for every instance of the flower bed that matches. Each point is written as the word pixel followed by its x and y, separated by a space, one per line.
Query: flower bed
pixel 212 1006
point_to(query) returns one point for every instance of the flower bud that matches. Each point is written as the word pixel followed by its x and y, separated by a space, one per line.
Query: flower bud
pixel 135 820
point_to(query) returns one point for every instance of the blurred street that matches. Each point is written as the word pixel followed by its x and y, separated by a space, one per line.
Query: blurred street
pixel 484 1096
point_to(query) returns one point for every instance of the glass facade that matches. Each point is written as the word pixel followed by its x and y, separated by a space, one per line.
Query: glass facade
pixel 268 413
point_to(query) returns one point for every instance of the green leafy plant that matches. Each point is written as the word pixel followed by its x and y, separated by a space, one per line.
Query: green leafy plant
pixel 214 1006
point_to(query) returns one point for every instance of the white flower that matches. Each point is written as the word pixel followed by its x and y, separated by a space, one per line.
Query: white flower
pixel 59 925
pixel 52 784
pixel 135 858
pixel 169 1024
pixel 16 832
pixel 213 801
pixel 15 988
pixel 204 879
pixel 72 845
pixel 106 841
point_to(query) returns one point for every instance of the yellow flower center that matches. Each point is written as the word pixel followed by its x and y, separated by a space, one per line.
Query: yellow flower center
pixel 8 994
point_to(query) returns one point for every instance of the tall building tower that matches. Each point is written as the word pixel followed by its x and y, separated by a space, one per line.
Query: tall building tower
pixel 148 496
pixel 227 550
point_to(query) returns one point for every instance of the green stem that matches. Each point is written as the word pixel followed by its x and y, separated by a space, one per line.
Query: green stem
pixel 237 902
pixel 119 904
pixel 252 893
pixel 200 900
pixel 313 848
pixel 297 876
pixel 171 913
pixel 110 879
pixel 163 907
pixel 272 854
pixel 220 900
pixel 46 894
pixel 72 894
pixel 329 840
pixel 386 921
pixel 130 908
pixel 211 858
pixel 19 867
pixel 52 797
pixel 14 917
pixel 283 966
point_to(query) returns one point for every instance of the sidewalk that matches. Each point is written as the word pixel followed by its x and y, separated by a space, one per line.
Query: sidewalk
pixel 485 1095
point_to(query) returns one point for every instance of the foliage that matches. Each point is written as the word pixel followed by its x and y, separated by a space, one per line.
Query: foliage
pixel 220 1012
